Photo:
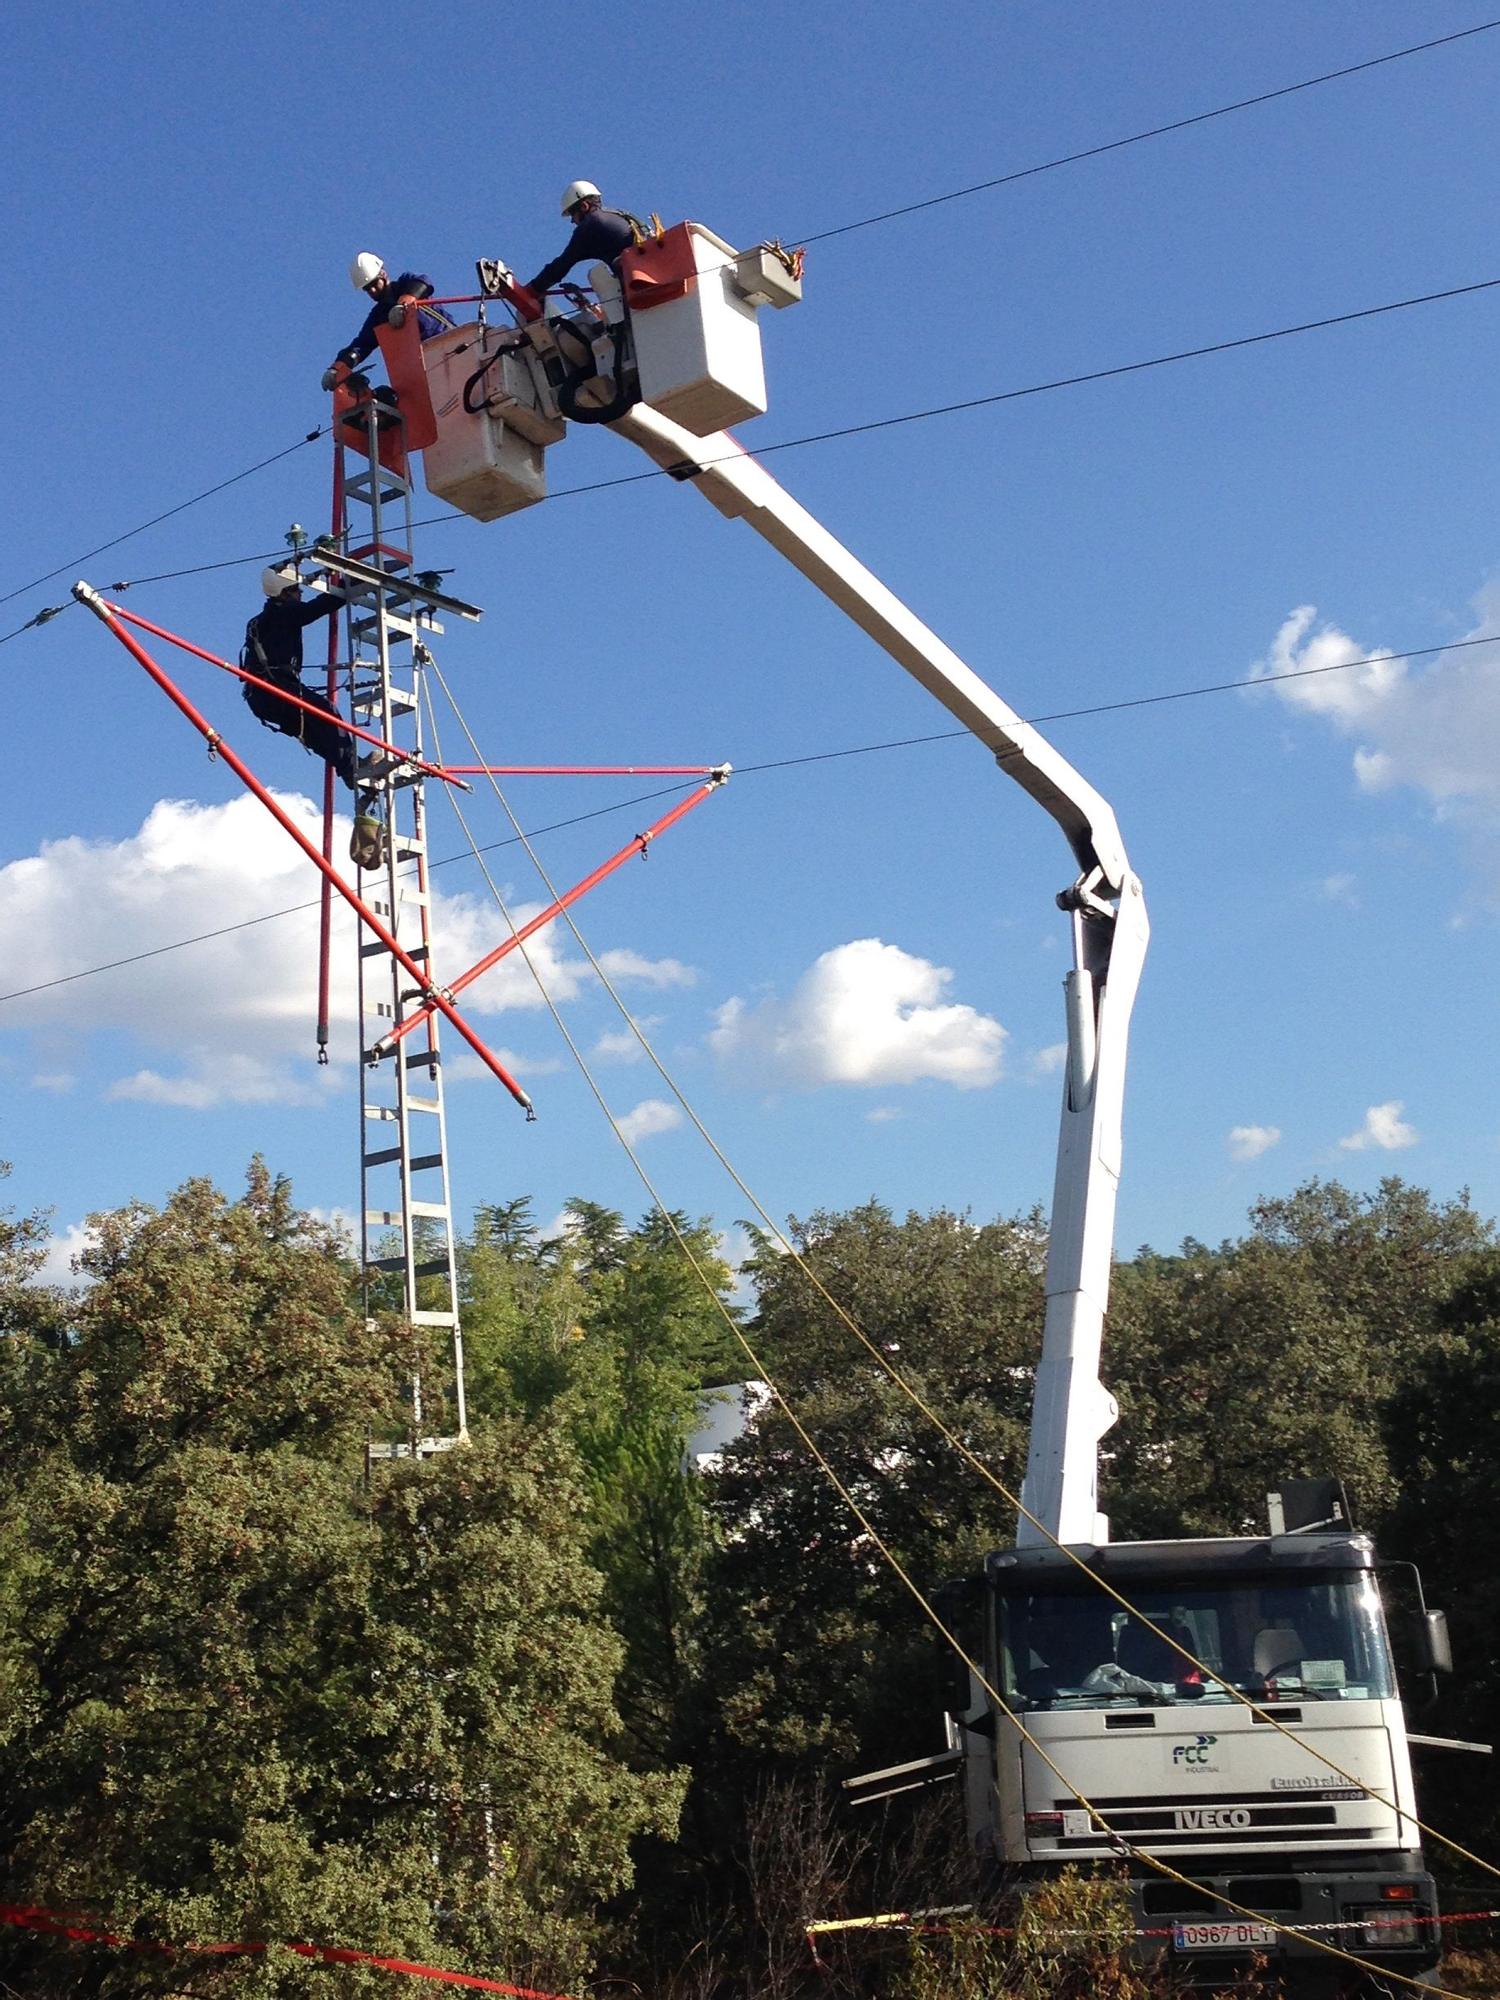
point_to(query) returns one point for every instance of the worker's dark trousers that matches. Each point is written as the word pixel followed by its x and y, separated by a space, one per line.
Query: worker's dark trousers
pixel 335 746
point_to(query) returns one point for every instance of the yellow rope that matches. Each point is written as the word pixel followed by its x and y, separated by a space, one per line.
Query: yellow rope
pixel 887 1554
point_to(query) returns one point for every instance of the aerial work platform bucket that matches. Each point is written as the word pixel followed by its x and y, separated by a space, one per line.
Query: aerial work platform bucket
pixel 697 344
pixel 488 456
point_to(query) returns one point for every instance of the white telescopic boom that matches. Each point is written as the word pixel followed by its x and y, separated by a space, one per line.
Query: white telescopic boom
pixel 1072 1408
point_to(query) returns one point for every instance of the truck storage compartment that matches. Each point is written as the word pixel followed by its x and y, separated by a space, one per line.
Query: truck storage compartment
pixel 697 345
pixel 487 460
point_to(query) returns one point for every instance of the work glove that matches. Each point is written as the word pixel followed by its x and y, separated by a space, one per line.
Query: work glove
pixel 397 314
pixel 333 375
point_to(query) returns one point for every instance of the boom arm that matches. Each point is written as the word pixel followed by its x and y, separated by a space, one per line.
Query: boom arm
pixel 1072 1409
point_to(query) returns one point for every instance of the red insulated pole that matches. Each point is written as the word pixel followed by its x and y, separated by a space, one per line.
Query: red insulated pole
pixel 325 888
pixel 254 680
pixel 639 845
pixel 86 594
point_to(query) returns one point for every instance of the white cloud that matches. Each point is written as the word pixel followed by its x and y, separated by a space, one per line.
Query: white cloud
pixel 1433 727
pixel 1383 1128
pixel 58 1081
pixel 622 965
pixel 61 1250
pixel 883 1114
pixel 650 1116
pixel 863 1013
pixel 1339 889
pixel 1050 1060
pixel 1248 1142
pixel 622 1044
pixel 216 1079
pixel 230 1020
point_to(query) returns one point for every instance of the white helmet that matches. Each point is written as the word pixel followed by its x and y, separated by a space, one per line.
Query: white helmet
pixel 277 581
pixel 577 191
pixel 365 269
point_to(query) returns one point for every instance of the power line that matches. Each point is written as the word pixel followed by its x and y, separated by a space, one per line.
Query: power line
pixel 297 909
pixel 845 229
pixel 783 764
pixel 1154 132
pixel 916 416
pixel 156 519
pixel 1133 701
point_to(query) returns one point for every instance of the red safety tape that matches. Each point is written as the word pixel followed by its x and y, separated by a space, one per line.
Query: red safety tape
pixel 53 1923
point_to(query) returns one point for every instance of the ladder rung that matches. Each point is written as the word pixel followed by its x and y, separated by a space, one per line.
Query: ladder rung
pixel 428 1058
pixel 423 1162
pixel 423 1104
pixel 434 1319
pixel 379 1111
pixel 386 1155
pixel 390 1218
pixel 432 1267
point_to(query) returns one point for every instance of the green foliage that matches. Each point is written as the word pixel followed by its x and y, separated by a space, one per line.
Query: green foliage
pixel 817 1648
pixel 1070 1938
pixel 246 1692
pixel 259 1697
pixel 1277 1356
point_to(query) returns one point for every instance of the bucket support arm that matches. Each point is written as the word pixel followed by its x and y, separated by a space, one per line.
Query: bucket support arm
pixel 1072 1409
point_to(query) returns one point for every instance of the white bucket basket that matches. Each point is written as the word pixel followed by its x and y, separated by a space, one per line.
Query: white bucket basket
pixel 697 344
pixel 489 461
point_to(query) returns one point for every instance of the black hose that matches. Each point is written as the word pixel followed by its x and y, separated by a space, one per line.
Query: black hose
pixel 510 347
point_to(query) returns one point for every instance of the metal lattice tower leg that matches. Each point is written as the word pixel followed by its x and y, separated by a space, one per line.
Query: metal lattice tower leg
pixel 405 1205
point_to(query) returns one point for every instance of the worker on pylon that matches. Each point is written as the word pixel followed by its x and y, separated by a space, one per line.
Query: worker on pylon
pixel 599 233
pixel 273 652
pixel 391 300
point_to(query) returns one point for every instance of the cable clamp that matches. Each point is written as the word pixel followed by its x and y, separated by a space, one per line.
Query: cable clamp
pixel 643 842
pixel 213 739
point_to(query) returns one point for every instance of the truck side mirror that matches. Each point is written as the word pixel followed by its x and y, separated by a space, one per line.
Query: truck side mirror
pixel 1434 1649
pixel 956 1603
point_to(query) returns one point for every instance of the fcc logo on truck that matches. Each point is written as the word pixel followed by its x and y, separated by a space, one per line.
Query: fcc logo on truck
pixel 1195 1757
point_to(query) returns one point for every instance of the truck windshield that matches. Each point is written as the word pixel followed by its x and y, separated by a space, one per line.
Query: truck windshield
pixel 1306 1639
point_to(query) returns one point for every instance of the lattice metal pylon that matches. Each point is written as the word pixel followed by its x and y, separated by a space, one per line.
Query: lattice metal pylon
pixel 406 1218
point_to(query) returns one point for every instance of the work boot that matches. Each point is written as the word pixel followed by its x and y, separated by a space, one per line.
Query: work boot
pixel 367 842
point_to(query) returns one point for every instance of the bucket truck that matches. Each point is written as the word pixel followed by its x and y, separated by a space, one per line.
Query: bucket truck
pixel 1130 1745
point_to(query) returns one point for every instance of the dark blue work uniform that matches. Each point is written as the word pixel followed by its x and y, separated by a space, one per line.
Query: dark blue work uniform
pixel 273 651
pixel 600 237
pixel 430 319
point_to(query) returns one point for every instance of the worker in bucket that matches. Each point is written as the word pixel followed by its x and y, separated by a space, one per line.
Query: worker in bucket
pixel 273 653
pixel 391 299
pixel 600 234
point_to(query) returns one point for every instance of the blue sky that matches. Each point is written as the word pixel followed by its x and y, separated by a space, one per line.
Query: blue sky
pixel 187 191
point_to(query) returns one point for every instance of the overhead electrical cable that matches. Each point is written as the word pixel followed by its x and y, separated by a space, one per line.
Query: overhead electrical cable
pixel 297 909
pixel 988 401
pixel 1152 132
pixel 886 215
pixel 157 519
pixel 790 763
pixel 762 1372
pixel 1130 701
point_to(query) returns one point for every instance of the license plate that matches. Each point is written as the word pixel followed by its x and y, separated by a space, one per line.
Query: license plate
pixel 1221 1937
